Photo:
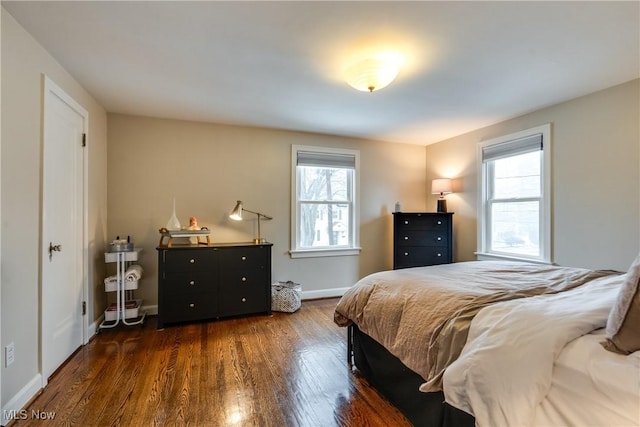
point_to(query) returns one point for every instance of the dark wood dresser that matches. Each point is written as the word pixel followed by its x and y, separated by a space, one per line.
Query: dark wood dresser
pixel 422 238
pixel 197 282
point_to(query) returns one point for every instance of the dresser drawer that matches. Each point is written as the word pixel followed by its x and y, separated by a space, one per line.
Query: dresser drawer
pixel 413 222
pixel 189 306
pixel 254 257
pixel 415 256
pixel 190 260
pixel 422 237
pixel 248 276
pixel 189 282
pixel 243 300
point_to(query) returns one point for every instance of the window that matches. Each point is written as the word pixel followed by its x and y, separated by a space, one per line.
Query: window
pixel 324 210
pixel 515 194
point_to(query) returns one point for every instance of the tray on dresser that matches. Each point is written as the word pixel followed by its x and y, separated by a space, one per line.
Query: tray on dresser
pixel 170 234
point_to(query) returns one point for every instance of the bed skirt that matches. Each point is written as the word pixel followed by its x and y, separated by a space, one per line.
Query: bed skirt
pixel 400 385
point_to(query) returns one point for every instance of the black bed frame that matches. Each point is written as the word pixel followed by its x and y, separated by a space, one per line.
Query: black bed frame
pixel 400 385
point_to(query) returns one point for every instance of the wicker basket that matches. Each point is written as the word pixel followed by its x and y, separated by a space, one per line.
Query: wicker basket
pixel 286 296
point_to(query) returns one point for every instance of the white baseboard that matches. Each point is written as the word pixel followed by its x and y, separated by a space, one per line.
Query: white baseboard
pixel 151 310
pixel 93 327
pixel 14 407
pixel 324 293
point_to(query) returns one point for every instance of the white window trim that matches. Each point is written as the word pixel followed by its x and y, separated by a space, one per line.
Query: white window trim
pixel 296 252
pixel 546 256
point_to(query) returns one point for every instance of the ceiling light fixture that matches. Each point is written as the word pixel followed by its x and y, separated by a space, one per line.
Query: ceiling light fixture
pixel 372 74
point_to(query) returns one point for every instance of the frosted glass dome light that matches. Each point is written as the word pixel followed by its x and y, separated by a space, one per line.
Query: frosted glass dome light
pixel 372 74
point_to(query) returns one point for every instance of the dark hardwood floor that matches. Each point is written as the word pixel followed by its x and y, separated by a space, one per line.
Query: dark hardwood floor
pixel 280 370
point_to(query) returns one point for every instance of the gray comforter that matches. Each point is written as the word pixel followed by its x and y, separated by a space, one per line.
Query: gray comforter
pixel 422 315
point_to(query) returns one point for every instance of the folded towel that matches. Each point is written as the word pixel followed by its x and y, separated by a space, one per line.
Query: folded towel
pixel 110 279
pixel 133 273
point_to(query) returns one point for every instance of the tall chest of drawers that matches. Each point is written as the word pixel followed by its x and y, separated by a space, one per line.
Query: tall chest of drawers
pixel 422 238
pixel 204 282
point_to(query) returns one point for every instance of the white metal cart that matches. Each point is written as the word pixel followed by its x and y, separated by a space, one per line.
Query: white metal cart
pixel 122 310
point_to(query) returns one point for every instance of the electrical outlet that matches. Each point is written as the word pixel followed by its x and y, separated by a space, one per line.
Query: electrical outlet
pixel 9 354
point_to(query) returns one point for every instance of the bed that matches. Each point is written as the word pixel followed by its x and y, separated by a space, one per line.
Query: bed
pixel 496 343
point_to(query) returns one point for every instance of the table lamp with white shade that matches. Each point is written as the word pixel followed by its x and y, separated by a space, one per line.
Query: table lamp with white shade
pixel 441 186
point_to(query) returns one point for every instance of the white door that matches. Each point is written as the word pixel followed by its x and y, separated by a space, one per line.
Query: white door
pixel 62 228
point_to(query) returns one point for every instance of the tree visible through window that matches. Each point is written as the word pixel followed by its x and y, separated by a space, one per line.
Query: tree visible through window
pixel 324 211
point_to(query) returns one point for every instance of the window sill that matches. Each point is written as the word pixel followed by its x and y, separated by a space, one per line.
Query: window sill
pixel 316 253
pixel 484 256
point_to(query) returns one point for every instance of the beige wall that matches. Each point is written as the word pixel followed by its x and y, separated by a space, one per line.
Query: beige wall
pixel 23 63
pixel 208 167
pixel 596 183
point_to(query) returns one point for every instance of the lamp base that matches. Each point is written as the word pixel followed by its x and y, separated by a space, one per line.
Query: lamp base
pixel 442 205
pixel 259 241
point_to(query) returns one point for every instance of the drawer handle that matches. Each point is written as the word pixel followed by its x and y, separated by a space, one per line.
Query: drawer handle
pixel 244 300
pixel 406 254
pixel 439 254
pixel 406 222
pixel 244 279
pixel 244 258
pixel 406 237
pixel 193 282
pixel 192 261
pixel 439 222
pixel 192 305
pixel 439 238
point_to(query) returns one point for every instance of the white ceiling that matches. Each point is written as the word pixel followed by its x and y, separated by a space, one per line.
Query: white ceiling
pixel 281 64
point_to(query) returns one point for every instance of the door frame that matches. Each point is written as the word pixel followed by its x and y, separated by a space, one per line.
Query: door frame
pixel 52 89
